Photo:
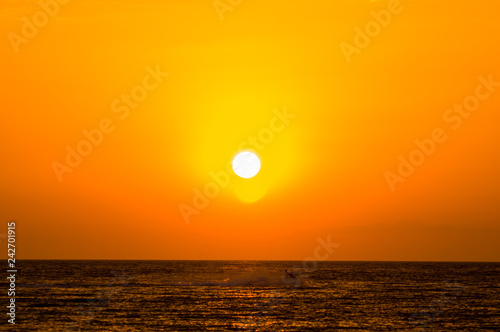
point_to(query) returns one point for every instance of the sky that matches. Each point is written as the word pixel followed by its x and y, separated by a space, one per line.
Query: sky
pixel 376 123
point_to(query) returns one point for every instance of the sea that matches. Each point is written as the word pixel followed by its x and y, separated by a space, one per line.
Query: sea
pixel 255 296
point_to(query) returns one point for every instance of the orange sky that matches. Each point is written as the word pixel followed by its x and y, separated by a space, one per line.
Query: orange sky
pixel 169 91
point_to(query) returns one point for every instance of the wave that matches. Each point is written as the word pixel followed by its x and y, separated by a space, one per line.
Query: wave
pixel 247 281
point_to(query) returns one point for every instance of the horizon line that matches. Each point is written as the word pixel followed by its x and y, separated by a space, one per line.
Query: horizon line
pixel 250 260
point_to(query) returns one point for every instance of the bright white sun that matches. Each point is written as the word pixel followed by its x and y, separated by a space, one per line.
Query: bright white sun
pixel 246 164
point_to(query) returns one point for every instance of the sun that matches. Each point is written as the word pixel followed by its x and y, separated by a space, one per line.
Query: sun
pixel 246 164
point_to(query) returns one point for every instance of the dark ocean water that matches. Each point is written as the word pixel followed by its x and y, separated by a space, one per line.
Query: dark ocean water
pixel 253 296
